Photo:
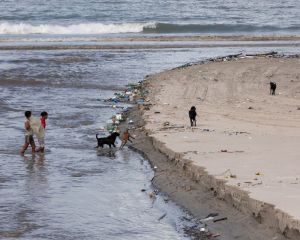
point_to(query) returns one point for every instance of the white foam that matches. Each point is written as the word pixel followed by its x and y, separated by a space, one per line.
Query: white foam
pixel 83 28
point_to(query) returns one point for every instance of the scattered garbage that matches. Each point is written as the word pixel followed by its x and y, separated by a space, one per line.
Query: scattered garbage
pixel 235 57
pixel 200 233
pixel 135 93
pixel 206 130
pixel 235 132
pixel 212 215
pixel 226 151
pixel 132 94
pixel 119 117
pixel 194 152
pixel 166 124
pixel 259 183
pixel 208 219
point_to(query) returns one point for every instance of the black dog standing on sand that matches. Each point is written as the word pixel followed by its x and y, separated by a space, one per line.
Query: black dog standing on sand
pixel 110 140
pixel 192 115
pixel 272 88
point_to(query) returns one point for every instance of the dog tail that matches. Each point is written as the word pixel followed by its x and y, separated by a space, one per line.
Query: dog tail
pixel 97 136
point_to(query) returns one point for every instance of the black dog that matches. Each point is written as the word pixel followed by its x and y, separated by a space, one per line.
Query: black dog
pixel 272 88
pixel 110 140
pixel 192 115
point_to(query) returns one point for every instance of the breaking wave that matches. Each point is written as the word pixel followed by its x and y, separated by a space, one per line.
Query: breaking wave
pixel 150 27
pixel 83 28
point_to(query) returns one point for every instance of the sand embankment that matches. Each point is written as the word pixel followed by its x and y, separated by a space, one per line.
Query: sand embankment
pixel 245 148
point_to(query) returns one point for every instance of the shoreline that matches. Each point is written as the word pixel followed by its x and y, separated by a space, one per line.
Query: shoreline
pixel 248 217
pixel 196 198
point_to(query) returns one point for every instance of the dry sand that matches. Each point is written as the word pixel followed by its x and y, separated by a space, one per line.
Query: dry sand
pixel 245 148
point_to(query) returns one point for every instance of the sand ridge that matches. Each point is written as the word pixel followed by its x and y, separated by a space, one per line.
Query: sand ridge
pixel 245 137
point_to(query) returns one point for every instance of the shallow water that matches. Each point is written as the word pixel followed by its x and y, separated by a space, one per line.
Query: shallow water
pixel 58 196
pixel 72 191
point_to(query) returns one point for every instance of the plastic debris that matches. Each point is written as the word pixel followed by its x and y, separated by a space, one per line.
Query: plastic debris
pixel 208 219
pixel 166 123
pixel 212 215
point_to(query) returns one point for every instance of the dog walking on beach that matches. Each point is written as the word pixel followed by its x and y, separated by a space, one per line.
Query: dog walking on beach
pixel 192 115
pixel 272 88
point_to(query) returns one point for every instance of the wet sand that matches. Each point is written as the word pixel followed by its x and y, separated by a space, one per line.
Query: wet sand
pixel 162 38
pixel 241 160
pixel 148 42
pixel 172 45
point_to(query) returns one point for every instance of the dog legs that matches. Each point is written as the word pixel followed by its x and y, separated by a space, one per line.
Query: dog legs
pixel 193 122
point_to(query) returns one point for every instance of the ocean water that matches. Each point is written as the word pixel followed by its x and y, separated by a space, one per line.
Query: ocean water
pixel 73 191
pixel 151 16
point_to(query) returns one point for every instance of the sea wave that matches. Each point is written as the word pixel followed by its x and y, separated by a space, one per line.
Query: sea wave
pixel 82 28
pixel 150 27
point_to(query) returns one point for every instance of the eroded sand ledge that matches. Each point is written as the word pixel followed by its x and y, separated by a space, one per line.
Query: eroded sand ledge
pixel 246 144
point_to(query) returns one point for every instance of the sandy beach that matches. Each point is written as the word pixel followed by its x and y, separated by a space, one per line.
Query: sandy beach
pixel 242 158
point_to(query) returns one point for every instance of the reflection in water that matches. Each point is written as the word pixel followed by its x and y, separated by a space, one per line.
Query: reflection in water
pixel 34 162
pixel 107 152
pixel 20 216
pixel 101 194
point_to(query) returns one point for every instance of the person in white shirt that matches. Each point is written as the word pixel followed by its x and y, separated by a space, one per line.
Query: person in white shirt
pixel 28 134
